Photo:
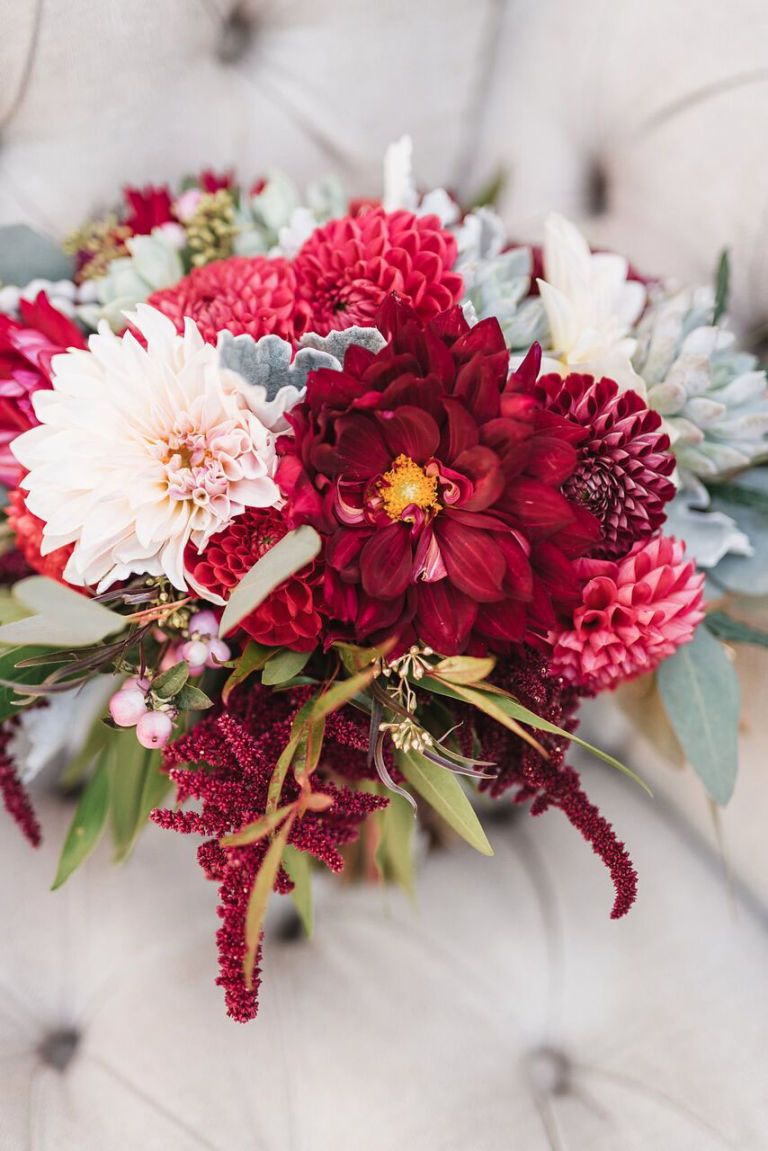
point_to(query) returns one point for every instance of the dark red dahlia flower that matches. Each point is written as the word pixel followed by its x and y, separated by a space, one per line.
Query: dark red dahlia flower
pixel 28 530
pixel 287 618
pixel 26 350
pixel 347 267
pixel 147 208
pixel 437 489
pixel 624 462
pixel 241 294
pixel 211 181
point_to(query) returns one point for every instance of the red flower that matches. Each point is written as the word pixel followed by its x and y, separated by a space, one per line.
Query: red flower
pixel 347 267
pixel 147 208
pixel 28 530
pixel 624 462
pixel 437 489
pixel 287 618
pixel 241 294
pixel 211 181
pixel 26 350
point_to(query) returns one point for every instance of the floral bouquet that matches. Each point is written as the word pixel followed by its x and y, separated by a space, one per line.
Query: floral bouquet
pixel 325 513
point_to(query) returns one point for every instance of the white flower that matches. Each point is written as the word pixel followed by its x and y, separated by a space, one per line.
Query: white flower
pixel 400 191
pixel 590 305
pixel 140 451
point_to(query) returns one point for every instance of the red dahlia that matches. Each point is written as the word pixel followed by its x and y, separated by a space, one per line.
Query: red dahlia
pixel 287 618
pixel 437 489
pixel 147 208
pixel 347 267
pixel 28 530
pixel 624 463
pixel 243 294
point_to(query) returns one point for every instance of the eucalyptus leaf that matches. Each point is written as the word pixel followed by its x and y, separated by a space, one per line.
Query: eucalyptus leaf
pixel 63 618
pixel 26 255
pixel 442 791
pixel 299 867
pixel 731 630
pixel 289 555
pixel 169 684
pixel 88 824
pixel 701 696
pixel 746 500
pixel 192 698
pixel 284 665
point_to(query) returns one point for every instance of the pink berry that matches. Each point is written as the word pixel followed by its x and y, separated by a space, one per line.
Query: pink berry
pixel 218 653
pixel 195 652
pixel 127 706
pixel 154 729
pixel 203 623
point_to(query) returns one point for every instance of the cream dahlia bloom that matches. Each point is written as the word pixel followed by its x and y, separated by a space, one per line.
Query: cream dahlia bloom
pixel 591 307
pixel 140 451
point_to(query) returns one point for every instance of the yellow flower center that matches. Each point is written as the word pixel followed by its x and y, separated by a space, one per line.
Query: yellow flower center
pixel 407 485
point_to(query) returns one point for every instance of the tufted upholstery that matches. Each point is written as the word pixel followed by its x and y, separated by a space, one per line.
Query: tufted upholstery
pixel 509 1012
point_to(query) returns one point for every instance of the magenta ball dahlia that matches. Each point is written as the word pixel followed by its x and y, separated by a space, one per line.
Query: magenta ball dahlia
pixel 624 461
pixel 635 612
pixel 347 267
pixel 437 491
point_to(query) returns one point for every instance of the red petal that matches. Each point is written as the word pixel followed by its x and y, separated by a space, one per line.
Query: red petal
pixel 539 507
pixel 386 562
pixel 444 617
pixel 410 431
pixel 473 562
pixel 360 449
pixel 459 431
pixel 483 468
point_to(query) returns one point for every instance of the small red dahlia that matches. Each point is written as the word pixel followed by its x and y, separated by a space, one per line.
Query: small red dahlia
pixel 437 493
pixel 28 530
pixel 624 463
pixel 347 267
pixel 242 294
pixel 287 618
pixel 147 208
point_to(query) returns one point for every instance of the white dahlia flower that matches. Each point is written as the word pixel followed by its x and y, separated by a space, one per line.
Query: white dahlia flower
pixel 591 307
pixel 141 451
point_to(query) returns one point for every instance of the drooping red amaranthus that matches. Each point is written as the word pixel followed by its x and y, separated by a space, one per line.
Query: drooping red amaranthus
pixel 14 793
pixel 546 783
pixel 238 750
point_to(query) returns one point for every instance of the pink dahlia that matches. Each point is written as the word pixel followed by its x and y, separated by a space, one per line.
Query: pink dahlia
pixel 624 463
pixel 347 267
pixel 241 294
pixel 635 612
pixel 26 350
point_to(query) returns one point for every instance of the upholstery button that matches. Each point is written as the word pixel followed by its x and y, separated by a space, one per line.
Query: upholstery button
pixel 58 1048
pixel 549 1071
pixel 236 36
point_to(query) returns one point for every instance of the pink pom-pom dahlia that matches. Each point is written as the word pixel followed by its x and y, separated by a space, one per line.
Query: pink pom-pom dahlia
pixel 347 267
pixel 244 295
pixel 635 612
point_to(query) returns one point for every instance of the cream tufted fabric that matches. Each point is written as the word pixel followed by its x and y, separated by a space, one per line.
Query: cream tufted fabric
pixel 509 1012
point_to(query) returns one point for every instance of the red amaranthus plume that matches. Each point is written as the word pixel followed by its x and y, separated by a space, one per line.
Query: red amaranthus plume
pixel 346 268
pixel 14 794
pixel 239 749
pixel 551 782
pixel 437 489
pixel 624 464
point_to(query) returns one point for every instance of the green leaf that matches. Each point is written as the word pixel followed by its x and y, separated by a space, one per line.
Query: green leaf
pixel 137 786
pixel 493 703
pixel 298 865
pixel 77 768
pixel 489 194
pixel 259 829
pixel 701 696
pixel 253 659
pixel 722 286
pixel 465 668
pixel 289 555
pixel 442 790
pixel 170 683
pixel 298 733
pixel 742 494
pixel 192 698
pixel 395 851
pixel 342 692
pixel 10 699
pixel 63 618
pixel 26 255
pixel 259 898
pixel 733 630
pixel 88 824
pixel 284 665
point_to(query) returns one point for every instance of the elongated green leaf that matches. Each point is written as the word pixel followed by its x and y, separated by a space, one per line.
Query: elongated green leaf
pixel 259 898
pixel 732 630
pixel 287 755
pixel 289 555
pixel 342 692
pixel 442 790
pixel 701 696
pixel 137 785
pixel 252 660
pixel 298 865
pixel 257 830
pixel 63 618
pixel 465 668
pixel 284 665
pixel 722 286
pixel 10 700
pixel 516 711
pixel 88 824
pixel 395 851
